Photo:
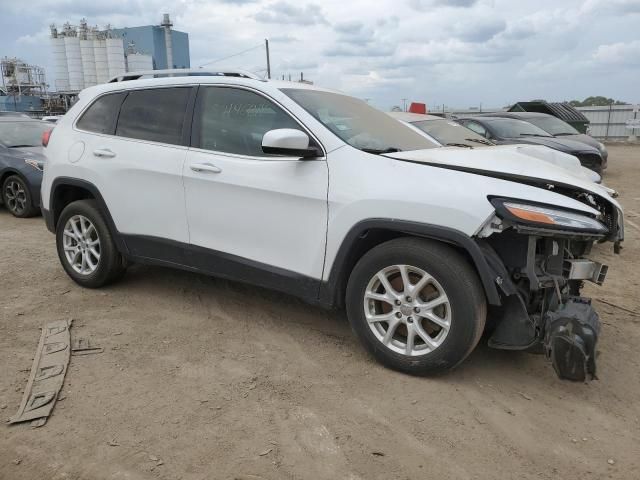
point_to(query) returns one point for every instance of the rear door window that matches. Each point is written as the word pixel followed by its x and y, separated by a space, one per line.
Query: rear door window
pixel 101 116
pixel 156 115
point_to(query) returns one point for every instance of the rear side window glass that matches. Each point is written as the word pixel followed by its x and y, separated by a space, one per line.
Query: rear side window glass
pixel 234 121
pixel 476 127
pixel 101 116
pixel 156 115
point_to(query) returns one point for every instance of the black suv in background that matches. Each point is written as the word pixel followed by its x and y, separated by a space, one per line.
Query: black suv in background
pixel 509 131
pixel 556 127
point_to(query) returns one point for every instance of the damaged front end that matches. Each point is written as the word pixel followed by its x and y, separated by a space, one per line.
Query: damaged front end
pixel 538 254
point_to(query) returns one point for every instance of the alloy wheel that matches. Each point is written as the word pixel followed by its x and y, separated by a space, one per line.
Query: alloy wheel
pixel 81 245
pixel 15 197
pixel 407 310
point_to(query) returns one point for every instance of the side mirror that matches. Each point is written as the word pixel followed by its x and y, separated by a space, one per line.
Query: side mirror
pixel 288 141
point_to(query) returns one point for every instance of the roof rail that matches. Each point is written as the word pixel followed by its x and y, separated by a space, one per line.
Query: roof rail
pixel 183 72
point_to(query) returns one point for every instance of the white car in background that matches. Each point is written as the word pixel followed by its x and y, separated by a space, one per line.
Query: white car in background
pixel 448 133
pixel 315 193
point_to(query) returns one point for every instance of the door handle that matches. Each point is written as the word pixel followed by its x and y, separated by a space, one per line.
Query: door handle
pixel 103 153
pixel 205 167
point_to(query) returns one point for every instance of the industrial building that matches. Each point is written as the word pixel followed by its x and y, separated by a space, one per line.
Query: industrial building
pixel 23 86
pixel 84 56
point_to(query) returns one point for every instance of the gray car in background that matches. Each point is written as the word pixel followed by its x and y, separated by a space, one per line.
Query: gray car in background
pixel 556 127
pixel 21 163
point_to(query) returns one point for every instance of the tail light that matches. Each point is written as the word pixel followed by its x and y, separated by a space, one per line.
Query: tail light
pixel 46 135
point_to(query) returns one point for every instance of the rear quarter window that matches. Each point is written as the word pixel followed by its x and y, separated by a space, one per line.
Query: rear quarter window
pixel 101 116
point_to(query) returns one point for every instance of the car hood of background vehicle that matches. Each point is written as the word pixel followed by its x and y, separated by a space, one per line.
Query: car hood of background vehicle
pixel 507 164
pixel 558 143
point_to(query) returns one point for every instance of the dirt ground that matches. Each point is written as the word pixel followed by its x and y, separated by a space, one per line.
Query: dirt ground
pixel 207 379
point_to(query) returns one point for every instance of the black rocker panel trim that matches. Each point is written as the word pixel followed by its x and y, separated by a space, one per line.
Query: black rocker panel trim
pixel 332 290
pixel 158 251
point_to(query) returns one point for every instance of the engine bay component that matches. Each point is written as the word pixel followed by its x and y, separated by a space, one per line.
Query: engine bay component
pixel 583 269
pixel 47 374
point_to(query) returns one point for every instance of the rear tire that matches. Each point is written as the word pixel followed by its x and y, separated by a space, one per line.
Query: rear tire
pixel 432 324
pixel 17 197
pixel 85 246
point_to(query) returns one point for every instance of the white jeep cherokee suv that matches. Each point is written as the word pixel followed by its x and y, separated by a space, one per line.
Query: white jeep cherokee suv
pixel 315 193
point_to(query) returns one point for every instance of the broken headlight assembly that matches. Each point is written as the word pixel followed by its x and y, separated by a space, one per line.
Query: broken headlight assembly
pixel 546 217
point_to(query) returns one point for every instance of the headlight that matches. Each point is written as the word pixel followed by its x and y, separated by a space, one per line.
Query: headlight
pixel 35 164
pixel 601 147
pixel 543 216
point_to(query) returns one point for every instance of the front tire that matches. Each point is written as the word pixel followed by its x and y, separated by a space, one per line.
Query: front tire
pixel 416 305
pixel 85 246
pixel 17 197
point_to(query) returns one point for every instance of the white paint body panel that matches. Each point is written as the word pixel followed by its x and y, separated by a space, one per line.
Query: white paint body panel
pixel 270 211
pixel 288 213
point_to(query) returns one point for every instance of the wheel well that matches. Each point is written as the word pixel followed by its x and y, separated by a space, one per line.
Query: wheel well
pixel 372 238
pixel 64 195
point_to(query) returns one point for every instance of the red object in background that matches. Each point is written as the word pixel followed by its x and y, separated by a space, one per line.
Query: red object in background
pixel 418 108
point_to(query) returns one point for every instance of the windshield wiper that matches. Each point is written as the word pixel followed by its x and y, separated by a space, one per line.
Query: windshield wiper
pixel 22 146
pixel 459 145
pixel 562 134
pixel 376 151
pixel 479 140
pixel 533 135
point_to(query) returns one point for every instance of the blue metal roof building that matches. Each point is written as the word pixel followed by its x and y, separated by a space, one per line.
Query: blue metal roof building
pixel 150 40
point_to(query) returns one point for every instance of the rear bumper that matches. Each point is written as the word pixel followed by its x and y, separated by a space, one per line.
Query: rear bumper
pixel 48 220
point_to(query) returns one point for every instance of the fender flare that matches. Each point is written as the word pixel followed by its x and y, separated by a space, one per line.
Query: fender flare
pixel 331 290
pixel 51 219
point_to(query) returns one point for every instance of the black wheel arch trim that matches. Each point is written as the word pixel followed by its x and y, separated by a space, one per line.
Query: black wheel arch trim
pixel 53 214
pixel 332 290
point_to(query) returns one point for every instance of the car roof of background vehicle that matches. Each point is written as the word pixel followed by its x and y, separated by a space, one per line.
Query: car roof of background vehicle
pixel 413 117
pixel 516 115
pixel 15 119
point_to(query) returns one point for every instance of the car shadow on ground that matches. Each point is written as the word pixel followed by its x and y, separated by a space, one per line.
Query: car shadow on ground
pixel 183 286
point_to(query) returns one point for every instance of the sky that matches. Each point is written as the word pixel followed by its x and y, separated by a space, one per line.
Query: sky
pixel 458 53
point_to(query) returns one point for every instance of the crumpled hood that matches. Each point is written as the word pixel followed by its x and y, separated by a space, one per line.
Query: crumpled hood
pixel 513 164
pixel 556 157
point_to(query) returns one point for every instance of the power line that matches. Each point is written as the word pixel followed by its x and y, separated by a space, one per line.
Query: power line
pixel 231 56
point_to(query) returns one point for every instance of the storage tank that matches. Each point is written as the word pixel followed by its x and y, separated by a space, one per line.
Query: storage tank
pixel 59 62
pixel 100 56
pixel 115 56
pixel 137 62
pixel 74 62
pixel 88 62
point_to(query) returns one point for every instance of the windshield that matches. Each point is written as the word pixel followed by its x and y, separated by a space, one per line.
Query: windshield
pixel 553 125
pixel 449 132
pixel 357 123
pixel 22 134
pixel 510 128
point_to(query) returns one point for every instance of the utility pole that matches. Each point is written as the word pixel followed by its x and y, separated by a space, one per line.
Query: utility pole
pixel 266 46
pixel 404 104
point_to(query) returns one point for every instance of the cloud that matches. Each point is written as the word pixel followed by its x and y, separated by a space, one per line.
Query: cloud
pixel 284 13
pixel 428 4
pixel 620 54
pixel 479 30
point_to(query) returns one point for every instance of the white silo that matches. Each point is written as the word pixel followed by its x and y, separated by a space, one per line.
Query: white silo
pixel 87 55
pixel 100 55
pixel 74 62
pixel 115 56
pixel 137 62
pixel 59 61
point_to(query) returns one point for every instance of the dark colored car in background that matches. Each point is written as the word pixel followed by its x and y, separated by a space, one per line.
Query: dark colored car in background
pixel 508 131
pixel 444 132
pixel 556 127
pixel 21 164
